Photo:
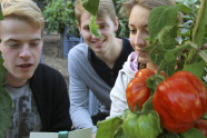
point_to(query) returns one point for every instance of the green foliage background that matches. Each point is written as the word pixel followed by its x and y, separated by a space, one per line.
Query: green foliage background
pixel 60 14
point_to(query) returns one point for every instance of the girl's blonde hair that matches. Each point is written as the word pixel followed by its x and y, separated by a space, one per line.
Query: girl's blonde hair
pixel 150 4
pixel 25 10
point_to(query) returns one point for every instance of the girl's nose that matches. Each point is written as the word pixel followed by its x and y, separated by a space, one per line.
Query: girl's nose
pixel 139 39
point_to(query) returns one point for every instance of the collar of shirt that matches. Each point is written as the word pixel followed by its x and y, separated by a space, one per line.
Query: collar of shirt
pixel 107 74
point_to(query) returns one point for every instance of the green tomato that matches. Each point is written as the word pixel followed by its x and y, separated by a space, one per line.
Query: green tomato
pixel 129 125
pixel 148 125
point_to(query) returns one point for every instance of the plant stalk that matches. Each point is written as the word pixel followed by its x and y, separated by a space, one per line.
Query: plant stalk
pixel 198 31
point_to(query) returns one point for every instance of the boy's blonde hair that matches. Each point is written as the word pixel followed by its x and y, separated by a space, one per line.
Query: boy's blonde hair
pixel 25 10
pixel 150 4
pixel 106 7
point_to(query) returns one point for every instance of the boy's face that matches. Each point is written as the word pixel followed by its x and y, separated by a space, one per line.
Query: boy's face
pixel 21 46
pixel 138 26
pixel 107 27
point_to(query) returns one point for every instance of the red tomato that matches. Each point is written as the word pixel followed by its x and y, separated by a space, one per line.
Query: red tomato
pixel 144 73
pixel 180 100
pixel 137 92
pixel 201 124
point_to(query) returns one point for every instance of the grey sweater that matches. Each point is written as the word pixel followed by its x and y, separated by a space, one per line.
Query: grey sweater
pixel 82 77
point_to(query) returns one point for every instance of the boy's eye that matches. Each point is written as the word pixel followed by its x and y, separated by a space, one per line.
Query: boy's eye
pixel 102 26
pixel 14 45
pixel 34 44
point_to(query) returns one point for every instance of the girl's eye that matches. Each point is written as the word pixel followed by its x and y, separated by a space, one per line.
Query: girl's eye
pixel 132 31
pixel 146 32
pixel 86 28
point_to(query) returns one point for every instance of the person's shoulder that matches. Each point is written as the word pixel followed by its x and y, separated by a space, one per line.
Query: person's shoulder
pixel 125 40
pixel 46 70
pixel 78 49
pixel 78 54
pixel 46 76
pixel 126 44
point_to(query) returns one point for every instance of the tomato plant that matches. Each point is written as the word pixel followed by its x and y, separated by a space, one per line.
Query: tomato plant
pixel 180 100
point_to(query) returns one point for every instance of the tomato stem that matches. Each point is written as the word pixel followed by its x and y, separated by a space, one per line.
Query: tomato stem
pixel 161 66
pixel 148 104
pixel 202 54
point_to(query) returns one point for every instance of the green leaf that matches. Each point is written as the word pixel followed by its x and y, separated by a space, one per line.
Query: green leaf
pixel 3 71
pixel 167 37
pixel 5 103
pixel 1 16
pixel 168 134
pixel 108 127
pixel 91 6
pixel 157 54
pixel 192 133
pixel 161 17
pixel 94 28
pixel 196 68
pixel 169 57
pixel 124 114
pixel 183 8
pixel 169 67
pixel 5 111
pixel 120 133
pixel 204 116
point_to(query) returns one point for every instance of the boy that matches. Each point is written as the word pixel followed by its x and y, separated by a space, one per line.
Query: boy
pixel 39 93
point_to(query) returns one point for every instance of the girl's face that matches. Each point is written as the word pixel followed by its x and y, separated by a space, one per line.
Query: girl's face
pixel 107 27
pixel 138 26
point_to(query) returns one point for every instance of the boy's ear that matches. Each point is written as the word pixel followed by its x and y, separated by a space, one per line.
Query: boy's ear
pixel 116 24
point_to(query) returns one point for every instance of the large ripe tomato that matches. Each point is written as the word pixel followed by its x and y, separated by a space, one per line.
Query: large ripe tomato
pixel 180 100
pixel 137 92
pixel 144 73
pixel 201 124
